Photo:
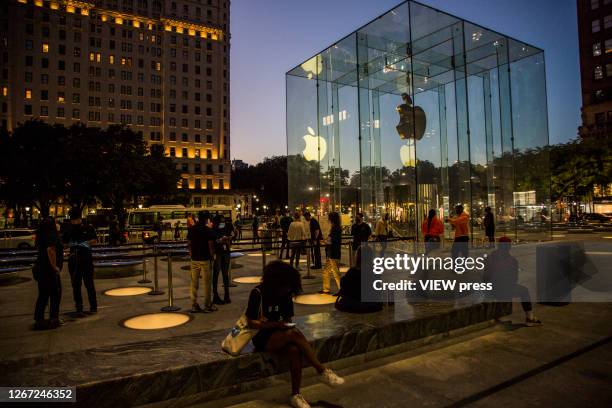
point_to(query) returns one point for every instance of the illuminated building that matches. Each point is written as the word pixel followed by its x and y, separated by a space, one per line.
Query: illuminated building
pixel 421 110
pixel 158 66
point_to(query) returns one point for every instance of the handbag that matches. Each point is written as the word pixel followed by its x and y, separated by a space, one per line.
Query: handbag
pixel 240 335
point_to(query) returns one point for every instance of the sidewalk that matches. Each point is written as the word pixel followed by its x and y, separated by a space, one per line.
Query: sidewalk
pixel 566 362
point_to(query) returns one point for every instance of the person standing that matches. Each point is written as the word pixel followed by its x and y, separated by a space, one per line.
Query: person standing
pixel 360 231
pixel 315 237
pixel 296 236
pixel 432 228
pixel 334 253
pixel 177 231
pixel 114 234
pixel 80 238
pixel 255 229
pixel 285 222
pixel 462 231
pixel 190 221
pixel 238 226
pixel 489 224
pixel 224 233
pixel 382 232
pixel 201 251
pixel 47 270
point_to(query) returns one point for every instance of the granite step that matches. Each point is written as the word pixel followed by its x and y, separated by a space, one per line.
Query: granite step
pixel 149 372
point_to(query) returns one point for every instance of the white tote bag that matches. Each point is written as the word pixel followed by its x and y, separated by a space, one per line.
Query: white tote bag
pixel 241 334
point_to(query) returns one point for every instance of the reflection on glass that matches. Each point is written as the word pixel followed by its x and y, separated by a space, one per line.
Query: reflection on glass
pixel 421 110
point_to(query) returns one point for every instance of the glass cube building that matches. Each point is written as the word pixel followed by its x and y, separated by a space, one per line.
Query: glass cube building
pixel 421 110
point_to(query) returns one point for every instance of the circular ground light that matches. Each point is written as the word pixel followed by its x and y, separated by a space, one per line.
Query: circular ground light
pixel 248 279
pixel 156 321
pixel 314 299
pixel 128 291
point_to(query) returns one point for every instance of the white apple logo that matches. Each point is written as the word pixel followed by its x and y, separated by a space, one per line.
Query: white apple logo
pixel 316 146
pixel 407 153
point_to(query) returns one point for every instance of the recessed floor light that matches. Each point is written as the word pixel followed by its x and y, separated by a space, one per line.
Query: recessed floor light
pixel 156 321
pixel 128 291
pixel 314 299
pixel 248 279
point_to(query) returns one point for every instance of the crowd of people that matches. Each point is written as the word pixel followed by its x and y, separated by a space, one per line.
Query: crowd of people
pixel 270 305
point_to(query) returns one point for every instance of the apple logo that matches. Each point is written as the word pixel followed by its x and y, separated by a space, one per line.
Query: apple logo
pixel 316 146
pixel 313 66
pixel 407 154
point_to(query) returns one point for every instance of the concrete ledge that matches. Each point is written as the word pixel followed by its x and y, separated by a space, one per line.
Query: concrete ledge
pixel 180 367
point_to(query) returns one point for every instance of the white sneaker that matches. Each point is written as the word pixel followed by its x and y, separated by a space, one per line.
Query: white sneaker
pixel 330 378
pixel 297 401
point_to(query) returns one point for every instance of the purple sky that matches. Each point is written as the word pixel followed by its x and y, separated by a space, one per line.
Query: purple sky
pixel 269 37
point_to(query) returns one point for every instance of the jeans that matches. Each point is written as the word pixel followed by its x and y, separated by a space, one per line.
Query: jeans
pixel 331 268
pixel 316 254
pixel 201 270
pixel 296 249
pixel 284 246
pixel 80 266
pixel 221 264
pixel 49 289
pixel 460 247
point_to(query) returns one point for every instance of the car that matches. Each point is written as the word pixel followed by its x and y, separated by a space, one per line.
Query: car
pixel 20 238
pixel 596 218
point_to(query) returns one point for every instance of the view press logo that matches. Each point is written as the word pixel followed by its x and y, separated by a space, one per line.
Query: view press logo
pixel 414 264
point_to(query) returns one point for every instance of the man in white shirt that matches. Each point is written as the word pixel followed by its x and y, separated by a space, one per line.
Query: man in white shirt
pixel 296 236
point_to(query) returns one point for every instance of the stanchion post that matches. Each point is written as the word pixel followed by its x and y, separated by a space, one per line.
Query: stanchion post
pixel 308 275
pixel 144 272
pixel 263 255
pixel 156 290
pixel 170 307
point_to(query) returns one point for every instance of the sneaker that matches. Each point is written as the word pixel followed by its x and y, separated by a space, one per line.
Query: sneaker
pixel 211 308
pixel 227 300
pixel 297 401
pixel 533 322
pixel 330 378
pixel 217 301
pixel 195 308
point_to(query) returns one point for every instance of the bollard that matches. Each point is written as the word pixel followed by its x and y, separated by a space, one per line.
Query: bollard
pixel 144 272
pixel 156 290
pixel 308 275
pixel 170 307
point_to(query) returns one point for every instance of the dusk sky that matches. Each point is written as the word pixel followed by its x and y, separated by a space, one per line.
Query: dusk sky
pixel 269 37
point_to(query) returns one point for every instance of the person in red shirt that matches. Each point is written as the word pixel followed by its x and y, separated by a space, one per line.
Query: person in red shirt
pixel 460 225
pixel 432 228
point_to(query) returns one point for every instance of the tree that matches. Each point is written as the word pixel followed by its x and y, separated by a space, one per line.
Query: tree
pixel 31 165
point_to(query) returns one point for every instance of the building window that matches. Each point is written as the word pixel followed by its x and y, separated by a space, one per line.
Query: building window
pixel 27 109
pixel 44 111
pixel 28 93
pixel 184 152
pixel 76 114
pixel 60 112
pixel 598 72
pixel 184 137
pixel 209 184
pixel 172 152
pixel 595 27
pixel 596 49
pixel 608 21
pixel 609 70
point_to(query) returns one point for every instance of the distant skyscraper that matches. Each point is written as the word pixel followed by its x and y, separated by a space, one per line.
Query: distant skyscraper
pixel 595 39
pixel 158 66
